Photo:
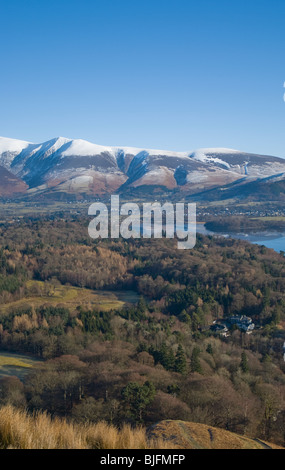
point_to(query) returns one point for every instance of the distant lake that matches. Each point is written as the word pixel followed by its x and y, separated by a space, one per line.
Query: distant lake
pixel 276 241
pixel 278 244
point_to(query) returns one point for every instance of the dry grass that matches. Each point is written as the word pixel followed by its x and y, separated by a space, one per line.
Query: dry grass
pixel 70 297
pixel 187 435
pixel 19 430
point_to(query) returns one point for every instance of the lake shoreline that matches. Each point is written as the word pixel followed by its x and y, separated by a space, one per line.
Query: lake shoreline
pixel 274 240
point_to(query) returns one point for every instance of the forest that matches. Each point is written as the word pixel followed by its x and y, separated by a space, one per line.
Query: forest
pixel 246 225
pixel 152 359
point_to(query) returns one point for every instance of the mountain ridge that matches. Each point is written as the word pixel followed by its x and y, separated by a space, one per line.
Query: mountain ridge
pixel 80 167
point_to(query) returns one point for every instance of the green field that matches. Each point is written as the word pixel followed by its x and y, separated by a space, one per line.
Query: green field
pixel 16 364
pixel 277 218
pixel 40 293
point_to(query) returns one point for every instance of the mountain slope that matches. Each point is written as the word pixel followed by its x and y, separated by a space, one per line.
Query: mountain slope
pixel 64 165
pixel 186 435
pixel 9 149
pixel 267 189
pixel 10 185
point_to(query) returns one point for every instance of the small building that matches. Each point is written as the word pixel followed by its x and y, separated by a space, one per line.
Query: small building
pixel 220 329
pixel 242 322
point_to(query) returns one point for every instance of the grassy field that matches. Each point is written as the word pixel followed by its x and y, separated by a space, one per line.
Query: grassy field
pixel 39 293
pixel 12 361
pixel 277 218
pixel 17 210
pixel 16 364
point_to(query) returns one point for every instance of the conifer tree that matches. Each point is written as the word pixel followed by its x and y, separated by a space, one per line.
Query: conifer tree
pixel 195 361
pixel 180 361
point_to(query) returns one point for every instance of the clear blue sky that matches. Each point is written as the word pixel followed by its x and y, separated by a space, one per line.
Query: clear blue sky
pixel 163 74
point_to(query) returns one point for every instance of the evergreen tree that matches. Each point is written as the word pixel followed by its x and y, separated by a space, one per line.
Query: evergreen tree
pixel 137 397
pixel 164 356
pixel 209 349
pixel 195 361
pixel 180 361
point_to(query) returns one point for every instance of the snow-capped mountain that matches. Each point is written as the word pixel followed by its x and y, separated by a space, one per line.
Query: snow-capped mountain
pixel 9 149
pixel 77 166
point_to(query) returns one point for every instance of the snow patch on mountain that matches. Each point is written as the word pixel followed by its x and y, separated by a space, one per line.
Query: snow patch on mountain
pixel 52 146
pixel 9 149
pixel 84 148
pixel 206 155
pixel 151 152
pixel 12 145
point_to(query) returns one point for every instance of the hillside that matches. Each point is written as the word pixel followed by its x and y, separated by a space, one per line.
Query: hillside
pixel 10 184
pixel 186 435
pixel 262 190
pixel 18 430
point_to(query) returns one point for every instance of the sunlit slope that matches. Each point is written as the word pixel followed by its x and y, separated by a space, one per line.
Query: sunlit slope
pixel 186 435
